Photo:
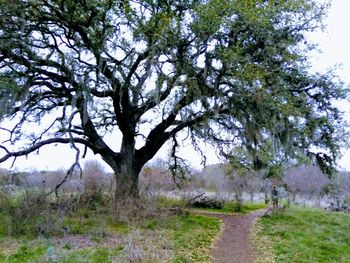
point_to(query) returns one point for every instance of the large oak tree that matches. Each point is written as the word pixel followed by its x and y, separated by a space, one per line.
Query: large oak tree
pixel 229 72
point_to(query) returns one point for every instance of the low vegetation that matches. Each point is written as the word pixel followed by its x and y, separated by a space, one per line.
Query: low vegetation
pixel 158 229
pixel 213 205
pixel 92 236
pixel 81 223
pixel 306 235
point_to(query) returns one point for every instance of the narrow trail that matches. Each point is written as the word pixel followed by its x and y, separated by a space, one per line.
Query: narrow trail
pixel 234 245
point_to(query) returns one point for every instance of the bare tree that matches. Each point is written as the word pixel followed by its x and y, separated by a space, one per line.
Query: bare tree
pixel 307 180
pixel 254 185
pixel 95 178
pixel 155 177
pixel 339 190
pixel 5 177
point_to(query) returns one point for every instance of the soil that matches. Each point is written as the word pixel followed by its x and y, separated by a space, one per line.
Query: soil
pixel 234 244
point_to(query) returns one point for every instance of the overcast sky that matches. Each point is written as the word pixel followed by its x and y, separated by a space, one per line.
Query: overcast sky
pixel 334 44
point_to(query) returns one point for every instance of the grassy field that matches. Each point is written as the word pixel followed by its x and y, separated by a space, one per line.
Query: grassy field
pixel 92 236
pixel 246 208
pixel 305 235
pixel 231 207
pixel 293 235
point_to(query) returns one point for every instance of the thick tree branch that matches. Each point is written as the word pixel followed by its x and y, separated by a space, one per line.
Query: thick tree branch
pixel 100 147
pixel 38 145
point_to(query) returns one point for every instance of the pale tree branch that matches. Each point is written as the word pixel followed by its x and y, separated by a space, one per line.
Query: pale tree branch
pixel 76 164
pixel 179 167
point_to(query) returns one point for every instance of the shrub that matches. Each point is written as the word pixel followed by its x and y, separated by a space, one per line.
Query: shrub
pixel 203 201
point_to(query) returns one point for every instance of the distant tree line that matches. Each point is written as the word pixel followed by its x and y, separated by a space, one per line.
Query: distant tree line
pixel 307 183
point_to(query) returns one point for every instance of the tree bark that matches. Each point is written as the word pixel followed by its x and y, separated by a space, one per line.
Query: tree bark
pixel 126 177
pixel 126 168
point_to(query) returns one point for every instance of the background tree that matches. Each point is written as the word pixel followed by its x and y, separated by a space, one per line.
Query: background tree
pixel 5 177
pixel 95 183
pixel 261 166
pixel 339 190
pixel 156 177
pixel 228 72
pixel 307 181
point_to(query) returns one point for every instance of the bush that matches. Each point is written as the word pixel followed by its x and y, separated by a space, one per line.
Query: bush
pixel 203 201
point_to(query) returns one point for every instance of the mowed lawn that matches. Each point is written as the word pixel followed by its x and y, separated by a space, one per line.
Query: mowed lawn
pixel 306 235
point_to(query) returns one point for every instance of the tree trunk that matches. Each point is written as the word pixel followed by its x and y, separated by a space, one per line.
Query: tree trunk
pixel 266 196
pixel 251 197
pixel 127 187
pixel 126 171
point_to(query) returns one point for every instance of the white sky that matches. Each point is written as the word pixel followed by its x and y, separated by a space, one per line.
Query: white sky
pixel 334 44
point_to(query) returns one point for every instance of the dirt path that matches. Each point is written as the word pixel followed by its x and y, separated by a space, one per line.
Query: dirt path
pixel 234 246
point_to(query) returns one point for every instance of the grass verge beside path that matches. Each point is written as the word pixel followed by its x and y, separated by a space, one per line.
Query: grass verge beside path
pixel 95 236
pixel 231 207
pixel 305 235
pixel 98 238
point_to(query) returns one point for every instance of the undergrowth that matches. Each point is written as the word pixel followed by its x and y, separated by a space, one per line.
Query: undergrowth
pixel 233 207
pixel 97 235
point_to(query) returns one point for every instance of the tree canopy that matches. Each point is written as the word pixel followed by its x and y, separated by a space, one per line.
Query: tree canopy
pixel 232 73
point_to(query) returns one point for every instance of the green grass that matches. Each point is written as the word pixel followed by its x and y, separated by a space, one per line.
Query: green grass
pixel 192 236
pixel 193 239
pixel 232 207
pixel 164 201
pixel 248 207
pixel 184 238
pixel 24 253
pixel 308 235
pixel 25 247
pixel 40 253
pixel 92 255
